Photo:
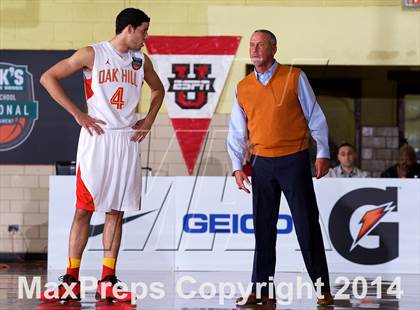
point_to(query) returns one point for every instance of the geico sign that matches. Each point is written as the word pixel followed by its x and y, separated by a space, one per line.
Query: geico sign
pixel 198 223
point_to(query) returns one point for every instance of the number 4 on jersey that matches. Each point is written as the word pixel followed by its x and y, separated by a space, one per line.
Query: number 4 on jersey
pixel 118 98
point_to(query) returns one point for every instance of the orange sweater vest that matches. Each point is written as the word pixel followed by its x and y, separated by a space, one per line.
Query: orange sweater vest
pixel 275 121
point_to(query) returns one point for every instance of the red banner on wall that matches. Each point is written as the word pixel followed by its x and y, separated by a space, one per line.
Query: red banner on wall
pixel 193 71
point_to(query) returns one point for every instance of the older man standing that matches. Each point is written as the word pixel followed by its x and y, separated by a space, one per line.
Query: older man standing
pixel 273 108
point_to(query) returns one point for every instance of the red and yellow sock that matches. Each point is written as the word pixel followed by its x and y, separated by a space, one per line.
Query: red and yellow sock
pixel 73 267
pixel 108 267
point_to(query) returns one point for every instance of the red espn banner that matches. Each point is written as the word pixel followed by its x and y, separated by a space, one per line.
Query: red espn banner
pixel 193 71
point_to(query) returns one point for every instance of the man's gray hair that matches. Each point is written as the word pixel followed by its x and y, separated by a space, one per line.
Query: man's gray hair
pixel 271 37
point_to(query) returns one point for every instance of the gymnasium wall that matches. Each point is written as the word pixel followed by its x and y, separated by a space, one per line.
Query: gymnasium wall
pixel 309 32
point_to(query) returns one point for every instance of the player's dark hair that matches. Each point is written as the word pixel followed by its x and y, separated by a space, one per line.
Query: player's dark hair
pixel 130 16
pixel 271 37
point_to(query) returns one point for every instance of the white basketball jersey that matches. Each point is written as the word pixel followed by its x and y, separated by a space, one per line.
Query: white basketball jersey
pixel 113 87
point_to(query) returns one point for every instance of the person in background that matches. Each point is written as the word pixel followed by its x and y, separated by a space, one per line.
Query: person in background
pixel 346 155
pixel 407 166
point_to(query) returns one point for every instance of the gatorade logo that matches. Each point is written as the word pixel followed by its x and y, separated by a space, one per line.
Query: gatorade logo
pixel 18 107
pixel 360 227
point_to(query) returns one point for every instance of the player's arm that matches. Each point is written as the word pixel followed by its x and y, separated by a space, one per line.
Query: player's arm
pixel 156 98
pixel 50 79
pixel 156 87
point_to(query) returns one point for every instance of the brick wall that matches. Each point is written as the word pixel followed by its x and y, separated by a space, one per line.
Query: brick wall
pixel 379 149
pixel 24 202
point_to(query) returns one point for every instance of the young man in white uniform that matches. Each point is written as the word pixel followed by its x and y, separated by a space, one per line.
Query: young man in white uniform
pixel 108 155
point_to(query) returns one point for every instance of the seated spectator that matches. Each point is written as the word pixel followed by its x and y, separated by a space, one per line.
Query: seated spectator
pixel 346 155
pixel 407 166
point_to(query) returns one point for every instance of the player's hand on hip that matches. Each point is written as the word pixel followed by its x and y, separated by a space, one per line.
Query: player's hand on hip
pixel 142 128
pixel 240 178
pixel 89 123
pixel 322 165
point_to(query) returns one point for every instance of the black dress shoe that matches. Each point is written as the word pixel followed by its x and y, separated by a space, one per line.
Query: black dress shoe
pixel 252 300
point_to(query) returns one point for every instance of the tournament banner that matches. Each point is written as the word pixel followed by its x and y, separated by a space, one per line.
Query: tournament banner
pixel 193 71
pixel 18 107
pixel 34 129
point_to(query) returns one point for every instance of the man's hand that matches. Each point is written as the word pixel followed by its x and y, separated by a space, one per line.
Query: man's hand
pixel 142 128
pixel 322 165
pixel 240 177
pixel 89 123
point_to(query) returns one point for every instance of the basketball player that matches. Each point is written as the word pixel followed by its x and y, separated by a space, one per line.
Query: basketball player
pixel 108 155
